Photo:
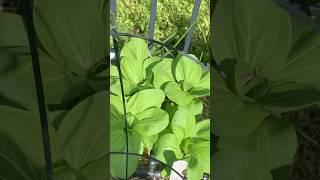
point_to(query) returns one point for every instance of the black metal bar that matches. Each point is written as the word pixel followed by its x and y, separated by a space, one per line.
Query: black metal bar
pixel 152 22
pixel 117 52
pixel 194 16
pixel 28 19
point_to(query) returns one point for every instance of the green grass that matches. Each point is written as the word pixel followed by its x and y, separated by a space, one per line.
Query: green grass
pixel 172 23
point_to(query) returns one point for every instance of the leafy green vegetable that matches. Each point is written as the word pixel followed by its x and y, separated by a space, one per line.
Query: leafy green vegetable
pixel 266 66
pixel 158 91
pixel 190 141
pixel 144 121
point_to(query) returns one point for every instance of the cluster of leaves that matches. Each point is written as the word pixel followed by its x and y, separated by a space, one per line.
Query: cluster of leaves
pixel 173 19
pixel 267 65
pixel 74 73
pixel 162 97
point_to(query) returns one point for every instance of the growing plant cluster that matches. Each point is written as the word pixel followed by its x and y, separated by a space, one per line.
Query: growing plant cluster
pixel 74 74
pixel 267 66
pixel 163 104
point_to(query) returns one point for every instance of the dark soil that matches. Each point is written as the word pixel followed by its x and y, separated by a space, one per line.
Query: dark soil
pixel 307 161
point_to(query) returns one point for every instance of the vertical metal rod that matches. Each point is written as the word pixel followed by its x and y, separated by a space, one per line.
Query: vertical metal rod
pixel 194 16
pixel 117 53
pixel 113 7
pixel 28 18
pixel 152 22
pixel 116 48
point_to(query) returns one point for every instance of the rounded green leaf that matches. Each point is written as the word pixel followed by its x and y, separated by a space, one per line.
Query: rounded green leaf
pixel 275 139
pixel 14 163
pixel 145 99
pixel 136 50
pixel 96 169
pixel 176 94
pixel 254 31
pixel 17 79
pixel 278 141
pixel 303 64
pixel 131 70
pixel 199 162
pixel 162 72
pixel 24 130
pixel 12 31
pixel 151 121
pixel 201 151
pixel 149 141
pixel 118 161
pixel 187 70
pixel 203 87
pixel 289 97
pixel 234 117
pixel 236 164
pixel 115 87
pixel 202 129
pixel 183 124
pixel 83 129
pixel 195 106
pixel 118 141
pixel 149 64
pixel 205 80
pixel 118 144
pixel 168 143
pixel 74 39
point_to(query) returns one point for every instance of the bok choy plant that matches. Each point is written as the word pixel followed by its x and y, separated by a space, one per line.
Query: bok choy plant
pixel 163 97
pixel 267 65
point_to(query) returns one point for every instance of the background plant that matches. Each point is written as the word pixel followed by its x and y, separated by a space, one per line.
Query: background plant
pixel 267 64
pixel 74 73
pixel 171 24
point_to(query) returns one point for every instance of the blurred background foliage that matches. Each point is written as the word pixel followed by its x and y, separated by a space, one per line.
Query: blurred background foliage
pixel 172 23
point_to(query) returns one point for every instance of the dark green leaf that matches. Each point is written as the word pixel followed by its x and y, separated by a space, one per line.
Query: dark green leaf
pixel 80 145
pixel 76 40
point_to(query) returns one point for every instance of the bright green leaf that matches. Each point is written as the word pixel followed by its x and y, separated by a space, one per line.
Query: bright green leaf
pixel 166 144
pixel 195 106
pixel 176 94
pixel 187 70
pixel 136 50
pixel 183 124
pixel 202 129
pixel 145 99
pixel 151 121
pixel 162 72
